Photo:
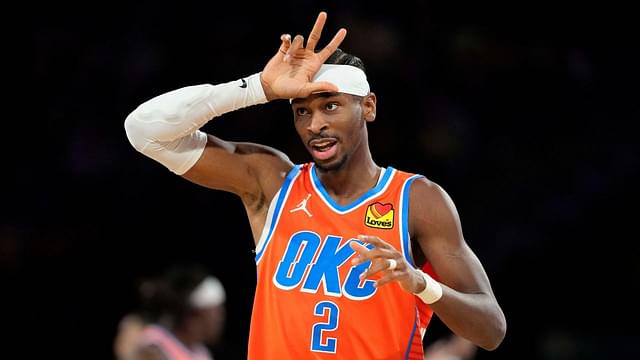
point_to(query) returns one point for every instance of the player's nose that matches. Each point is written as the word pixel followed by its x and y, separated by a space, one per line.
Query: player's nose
pixel 318 123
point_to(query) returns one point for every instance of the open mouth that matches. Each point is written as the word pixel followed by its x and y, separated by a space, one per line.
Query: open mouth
pixel 323 149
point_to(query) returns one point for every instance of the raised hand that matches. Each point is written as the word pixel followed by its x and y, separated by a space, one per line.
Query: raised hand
pixel 289 72
pixel 387 260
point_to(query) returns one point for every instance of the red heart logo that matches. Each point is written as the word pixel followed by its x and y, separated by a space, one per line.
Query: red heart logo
pixel 380 210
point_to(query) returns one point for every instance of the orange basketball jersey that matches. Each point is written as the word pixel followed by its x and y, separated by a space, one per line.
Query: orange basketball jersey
pixel 310 302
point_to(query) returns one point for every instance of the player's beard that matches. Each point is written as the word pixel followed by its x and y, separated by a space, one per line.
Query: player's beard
pixel 334 165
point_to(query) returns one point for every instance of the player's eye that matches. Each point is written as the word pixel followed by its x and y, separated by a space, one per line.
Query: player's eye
pixel 301 111
pixel 332 106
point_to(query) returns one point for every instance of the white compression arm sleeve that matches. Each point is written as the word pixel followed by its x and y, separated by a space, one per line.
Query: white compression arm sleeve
pixel 165 128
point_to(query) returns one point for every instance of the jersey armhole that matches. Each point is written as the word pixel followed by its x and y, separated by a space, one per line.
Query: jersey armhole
pixel 275 210
pixel 405 237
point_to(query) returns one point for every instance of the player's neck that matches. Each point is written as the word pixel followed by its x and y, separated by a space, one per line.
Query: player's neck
pixel 357 175
pixel 186 338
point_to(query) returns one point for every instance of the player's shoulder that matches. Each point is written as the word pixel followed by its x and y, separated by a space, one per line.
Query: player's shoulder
pixel 426 187
pixel 428 194
pixel 420 185
pixel 430 206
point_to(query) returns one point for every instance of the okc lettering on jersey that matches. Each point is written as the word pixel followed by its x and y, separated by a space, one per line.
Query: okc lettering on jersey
pixel 297 262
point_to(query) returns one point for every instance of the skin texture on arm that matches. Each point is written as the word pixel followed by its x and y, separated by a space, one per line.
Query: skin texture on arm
pixel 251 171
pixel 452 348
pixel 470 310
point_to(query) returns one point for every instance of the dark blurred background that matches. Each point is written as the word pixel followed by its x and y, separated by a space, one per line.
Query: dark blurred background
pixel 525 112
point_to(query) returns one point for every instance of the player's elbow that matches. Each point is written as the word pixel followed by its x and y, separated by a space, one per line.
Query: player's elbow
pixel 493 342
pixel 496 333
pixel 135 131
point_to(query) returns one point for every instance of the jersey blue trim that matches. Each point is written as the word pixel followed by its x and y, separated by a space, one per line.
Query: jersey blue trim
pixel 381 185
pixel 406 192
pixel 413 332
pixel 284 191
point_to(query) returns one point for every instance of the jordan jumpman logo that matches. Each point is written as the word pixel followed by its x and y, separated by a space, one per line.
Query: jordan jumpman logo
pixel 302 206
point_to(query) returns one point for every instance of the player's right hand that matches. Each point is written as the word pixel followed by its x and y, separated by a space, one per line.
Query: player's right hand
pixel 289 73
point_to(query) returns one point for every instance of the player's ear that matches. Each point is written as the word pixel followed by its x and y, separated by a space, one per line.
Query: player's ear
pixel 369 107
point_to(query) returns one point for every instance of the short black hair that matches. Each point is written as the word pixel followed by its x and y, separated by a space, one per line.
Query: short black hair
pixel 340 57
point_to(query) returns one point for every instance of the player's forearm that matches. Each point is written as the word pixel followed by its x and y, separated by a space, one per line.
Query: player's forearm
pixel 165 128
pixel 476 317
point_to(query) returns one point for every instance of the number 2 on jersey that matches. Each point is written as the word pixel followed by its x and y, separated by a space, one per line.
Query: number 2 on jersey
pixel 330 343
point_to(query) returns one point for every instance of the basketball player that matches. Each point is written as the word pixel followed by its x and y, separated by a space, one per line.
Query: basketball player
pixel 339 240
pixel 452 347
pixel 185 311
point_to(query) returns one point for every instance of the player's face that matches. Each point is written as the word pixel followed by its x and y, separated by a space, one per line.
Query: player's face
pixel 332 126
pixel 211 321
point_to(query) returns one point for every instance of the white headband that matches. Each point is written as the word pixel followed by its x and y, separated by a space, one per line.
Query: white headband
pixel 210 292
pixel 349 79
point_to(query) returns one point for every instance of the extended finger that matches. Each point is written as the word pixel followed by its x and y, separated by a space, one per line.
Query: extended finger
pixel 296 44
pixel 333 45
pixel 298 40
pixel 381 265
pixel 365 254
pixel 314 36
pixel 286 42
pixel 374 240
pixel 388 277
pixel 285 45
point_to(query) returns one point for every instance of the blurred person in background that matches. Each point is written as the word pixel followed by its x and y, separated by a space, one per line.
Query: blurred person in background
pixel 339 241
pixel 183 312
pixel 129 329
pixel 452 347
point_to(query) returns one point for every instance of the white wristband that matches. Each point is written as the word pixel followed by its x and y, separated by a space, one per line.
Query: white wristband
pixel 432 291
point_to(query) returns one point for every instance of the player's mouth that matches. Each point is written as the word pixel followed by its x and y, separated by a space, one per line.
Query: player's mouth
pixel 323 148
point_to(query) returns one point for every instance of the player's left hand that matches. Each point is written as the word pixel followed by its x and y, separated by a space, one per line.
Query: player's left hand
pixel 382 258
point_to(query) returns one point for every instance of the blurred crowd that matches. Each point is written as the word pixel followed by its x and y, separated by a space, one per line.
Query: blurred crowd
pixel 526 116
